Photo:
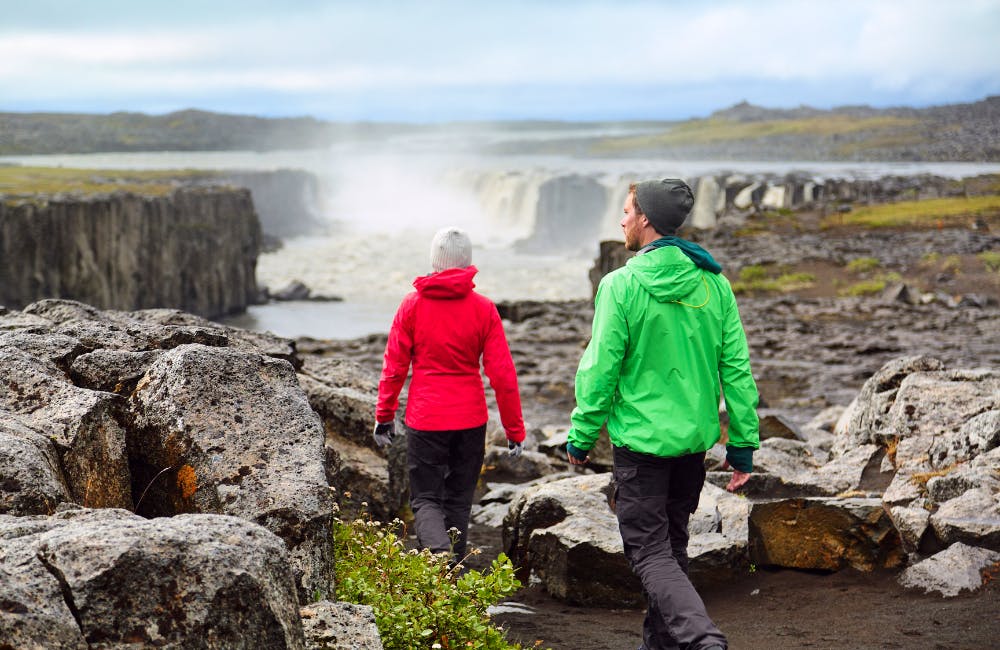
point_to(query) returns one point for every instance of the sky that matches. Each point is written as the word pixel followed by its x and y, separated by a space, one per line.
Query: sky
pixel 440 61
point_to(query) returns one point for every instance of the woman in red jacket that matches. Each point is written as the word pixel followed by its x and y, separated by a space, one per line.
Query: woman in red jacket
pixel 443 329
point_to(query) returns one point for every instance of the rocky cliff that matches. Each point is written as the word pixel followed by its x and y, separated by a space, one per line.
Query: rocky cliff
pixel 194 249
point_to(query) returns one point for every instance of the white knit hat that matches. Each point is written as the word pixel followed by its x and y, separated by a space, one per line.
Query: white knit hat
pixel 451 248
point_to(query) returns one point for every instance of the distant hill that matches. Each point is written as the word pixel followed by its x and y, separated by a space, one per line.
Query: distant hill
pixel 957 132
pixel 189 130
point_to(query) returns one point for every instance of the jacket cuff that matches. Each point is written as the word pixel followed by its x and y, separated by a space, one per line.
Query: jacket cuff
pixel 515 436
pixel 576 452
pixel 741 458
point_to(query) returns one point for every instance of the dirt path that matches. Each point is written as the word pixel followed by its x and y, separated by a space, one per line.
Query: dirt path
pixel 777 610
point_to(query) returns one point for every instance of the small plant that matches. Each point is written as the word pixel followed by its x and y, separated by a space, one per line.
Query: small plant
pixel 991 260
pixel 419 598
pixel 952 264
pixel 863 265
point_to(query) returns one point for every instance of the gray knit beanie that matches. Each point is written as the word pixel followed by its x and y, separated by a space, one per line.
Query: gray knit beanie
pixel 666 203
pixel 451 248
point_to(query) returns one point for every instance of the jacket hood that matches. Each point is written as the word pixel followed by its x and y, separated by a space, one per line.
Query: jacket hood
pixel 667 274
pixel 447 284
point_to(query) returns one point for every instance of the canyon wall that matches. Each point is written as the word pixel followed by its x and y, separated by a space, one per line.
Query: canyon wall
pixel 194 249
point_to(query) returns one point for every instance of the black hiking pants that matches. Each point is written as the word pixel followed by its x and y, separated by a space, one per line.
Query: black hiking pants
pixel 444 468
pixel 655 498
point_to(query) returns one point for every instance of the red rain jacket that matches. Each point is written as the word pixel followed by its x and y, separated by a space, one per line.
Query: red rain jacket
pixel 444 328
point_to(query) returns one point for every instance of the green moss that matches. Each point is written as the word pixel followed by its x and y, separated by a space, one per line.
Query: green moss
pixel 863 265
pixel 761 279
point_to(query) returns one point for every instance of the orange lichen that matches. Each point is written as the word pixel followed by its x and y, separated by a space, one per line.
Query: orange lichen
pixel 187 481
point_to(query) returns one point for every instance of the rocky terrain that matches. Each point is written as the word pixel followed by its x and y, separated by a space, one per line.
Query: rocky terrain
pixel 166 480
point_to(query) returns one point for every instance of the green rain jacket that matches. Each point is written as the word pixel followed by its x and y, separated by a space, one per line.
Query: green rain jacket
pixel 667 338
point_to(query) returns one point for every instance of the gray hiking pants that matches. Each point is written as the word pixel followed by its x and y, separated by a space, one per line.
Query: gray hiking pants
pixel 444 468
pixel 655 498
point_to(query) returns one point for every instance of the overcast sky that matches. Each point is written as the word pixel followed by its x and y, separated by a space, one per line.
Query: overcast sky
pixel 467 60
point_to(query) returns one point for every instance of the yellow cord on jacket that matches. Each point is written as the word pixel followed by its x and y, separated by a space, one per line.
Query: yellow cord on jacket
pixel 708 296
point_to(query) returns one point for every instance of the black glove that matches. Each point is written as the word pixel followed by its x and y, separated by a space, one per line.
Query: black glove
pixel 514 448
pixel 384 433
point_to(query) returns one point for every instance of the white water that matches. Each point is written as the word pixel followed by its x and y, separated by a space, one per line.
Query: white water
pixel 384 200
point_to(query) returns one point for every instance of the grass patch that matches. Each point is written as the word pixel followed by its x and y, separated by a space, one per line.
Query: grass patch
pixel 991 260
pixel 863 265
pixel 716 130
pixel 872 286
pixel 929 213
pixel 17 181
pixel 756 278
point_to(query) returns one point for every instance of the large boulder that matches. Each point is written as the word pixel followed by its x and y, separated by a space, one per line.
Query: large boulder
pixel 343 393
pixel 825 534
pixel 222 431
pixel 31 482
pixel 82 424
pixel 108 578
pixel 956 569
pixel 564 533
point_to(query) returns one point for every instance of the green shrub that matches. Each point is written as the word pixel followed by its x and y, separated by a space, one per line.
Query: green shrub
pixel 863 265
pixel 419 599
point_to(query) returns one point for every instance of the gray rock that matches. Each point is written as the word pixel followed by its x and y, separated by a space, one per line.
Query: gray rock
pixel 239 438
pixel 978 435
pixel 31 482
pixel 956 569
pixel 565 534
pixel 528 466
pixel 294 290
pixel 824 534
pixel 34 614
pixel 864 419
pixel 912 524
pixel 55 348
pixel 903 489
pixel 972 518
pixel 82 423
pixel 776 425
pixel 361 478
pixel 115 371
pixel 940 403
pixel 340 626
pixel 826 419
pixel 185 581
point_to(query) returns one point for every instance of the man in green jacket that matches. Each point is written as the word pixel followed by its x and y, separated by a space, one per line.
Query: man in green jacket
pixel 667 342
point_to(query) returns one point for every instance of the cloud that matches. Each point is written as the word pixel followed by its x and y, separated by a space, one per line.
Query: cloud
pixel 366 56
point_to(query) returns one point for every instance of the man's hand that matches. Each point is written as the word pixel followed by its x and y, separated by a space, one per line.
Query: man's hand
pixel 514 448
pixel 739 478
pixel 576 456
pixel 384 433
